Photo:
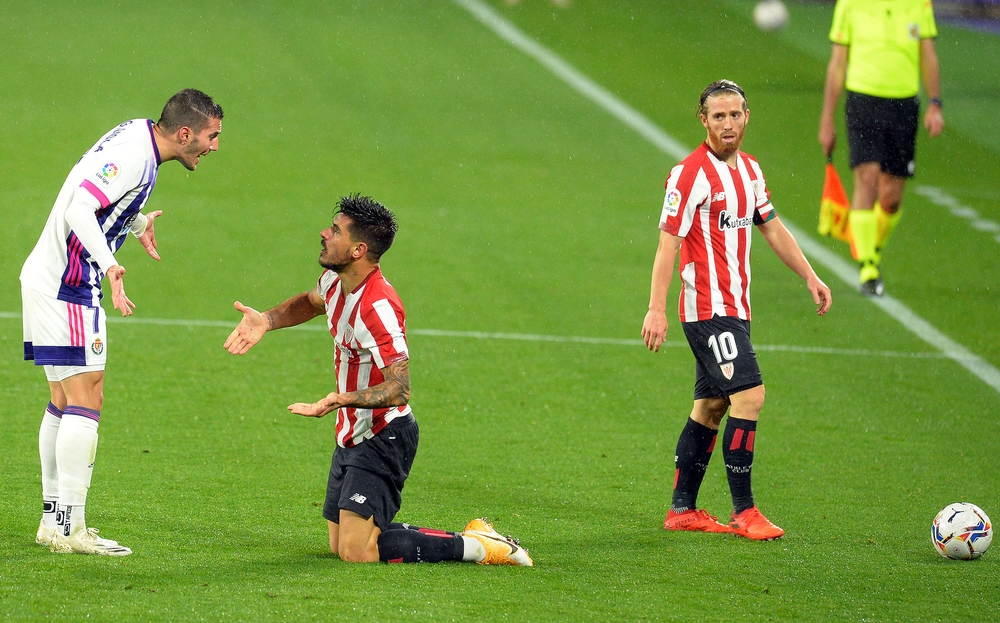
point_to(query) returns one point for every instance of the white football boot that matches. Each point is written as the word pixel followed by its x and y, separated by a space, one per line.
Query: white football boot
pixel 87 542
pixel 45 534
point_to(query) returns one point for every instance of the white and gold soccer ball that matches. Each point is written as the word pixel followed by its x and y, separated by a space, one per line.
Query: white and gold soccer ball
pixel 770 15
pixel 961 531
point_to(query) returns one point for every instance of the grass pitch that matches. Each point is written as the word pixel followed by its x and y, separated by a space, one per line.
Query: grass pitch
pixel 524 209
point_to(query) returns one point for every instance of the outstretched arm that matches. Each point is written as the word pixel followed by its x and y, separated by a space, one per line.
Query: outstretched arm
pixel 296 310
pixel 836 73
pixel 654 325
pixel 785 247
pixel 394 391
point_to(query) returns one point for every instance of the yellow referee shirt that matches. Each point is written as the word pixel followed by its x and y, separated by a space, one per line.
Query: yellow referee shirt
pixel 884 37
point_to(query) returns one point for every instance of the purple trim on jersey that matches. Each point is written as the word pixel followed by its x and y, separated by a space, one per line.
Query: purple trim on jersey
pixel 60 355
pixel 94 190
pixel 116 233
pixel 82 279
pixel 83 412
pixel 152 138
pixel 76 286
pixel 29 351
pixel 54 410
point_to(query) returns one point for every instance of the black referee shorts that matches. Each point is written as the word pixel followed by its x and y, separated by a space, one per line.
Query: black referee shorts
pixel 883 130
pixel 368 478
pixel 725 362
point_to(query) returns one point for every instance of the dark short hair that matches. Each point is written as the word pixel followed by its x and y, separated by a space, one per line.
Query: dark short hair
pixel 715 87
pixel 371 223
pixel 190 108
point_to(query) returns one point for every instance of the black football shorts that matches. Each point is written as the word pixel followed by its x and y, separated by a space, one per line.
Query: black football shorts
pixel 368 478
pixel 725 362
pixel 883 130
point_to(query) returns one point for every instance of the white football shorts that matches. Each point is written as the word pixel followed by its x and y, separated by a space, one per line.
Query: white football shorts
pixel 66 338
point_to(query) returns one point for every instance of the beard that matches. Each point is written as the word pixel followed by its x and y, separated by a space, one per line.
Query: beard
pixel 337 268
pixel 330 263
pixel 723 149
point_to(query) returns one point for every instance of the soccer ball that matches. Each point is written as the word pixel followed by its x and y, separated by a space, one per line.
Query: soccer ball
pixel 770 15
pixel 961 531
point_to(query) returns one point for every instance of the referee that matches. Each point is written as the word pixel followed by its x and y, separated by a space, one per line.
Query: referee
pixel 881 51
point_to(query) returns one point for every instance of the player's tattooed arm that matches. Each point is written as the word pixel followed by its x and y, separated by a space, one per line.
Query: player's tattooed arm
pixel 394 391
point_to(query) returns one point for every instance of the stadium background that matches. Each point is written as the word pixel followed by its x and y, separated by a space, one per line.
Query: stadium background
pixel 526 210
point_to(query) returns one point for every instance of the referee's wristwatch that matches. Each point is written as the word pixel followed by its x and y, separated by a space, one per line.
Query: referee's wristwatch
pixel 935 101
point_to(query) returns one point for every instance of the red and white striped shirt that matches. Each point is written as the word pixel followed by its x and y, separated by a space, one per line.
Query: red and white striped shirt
pixel 712 207
pixel 368 326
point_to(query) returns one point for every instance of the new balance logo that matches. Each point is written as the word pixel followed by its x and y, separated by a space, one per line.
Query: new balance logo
pixel 719 197
pixel 357 497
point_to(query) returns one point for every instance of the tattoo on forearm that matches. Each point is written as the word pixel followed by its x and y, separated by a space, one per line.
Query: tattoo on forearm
pixel 394 391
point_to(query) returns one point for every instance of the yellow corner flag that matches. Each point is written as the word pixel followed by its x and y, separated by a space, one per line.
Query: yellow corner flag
pixel 834 207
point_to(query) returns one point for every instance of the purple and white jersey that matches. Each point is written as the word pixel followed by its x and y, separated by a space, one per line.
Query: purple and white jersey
pixel 119 172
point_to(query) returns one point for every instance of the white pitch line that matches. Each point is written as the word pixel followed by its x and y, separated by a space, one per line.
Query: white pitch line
pixel 943 199
pixel 523 337
pixel 666 143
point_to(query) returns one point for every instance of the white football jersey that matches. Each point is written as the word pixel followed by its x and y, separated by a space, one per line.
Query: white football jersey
pixel 119 171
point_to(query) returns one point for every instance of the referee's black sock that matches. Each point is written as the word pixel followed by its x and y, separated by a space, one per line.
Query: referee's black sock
pixel 694 450
pixel 737 448
pixel 422 545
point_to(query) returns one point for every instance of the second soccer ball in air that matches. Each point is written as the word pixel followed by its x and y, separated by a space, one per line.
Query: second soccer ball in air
pixel 770 15
pixel 961 531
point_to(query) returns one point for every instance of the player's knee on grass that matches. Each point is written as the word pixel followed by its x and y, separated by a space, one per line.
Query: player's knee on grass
pixel 358 538
pixel 352 553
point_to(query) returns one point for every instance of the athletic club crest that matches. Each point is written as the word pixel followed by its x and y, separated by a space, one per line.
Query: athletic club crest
pixel 97 347
pixel 727 370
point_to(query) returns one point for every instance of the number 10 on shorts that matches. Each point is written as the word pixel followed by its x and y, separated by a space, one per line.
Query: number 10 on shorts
pixel 724 347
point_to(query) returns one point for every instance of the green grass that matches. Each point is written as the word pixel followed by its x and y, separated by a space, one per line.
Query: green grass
pixel 524 208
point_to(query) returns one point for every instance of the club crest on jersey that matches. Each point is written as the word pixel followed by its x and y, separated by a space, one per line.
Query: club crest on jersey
pixel 108 173
pixel 672 202
pixel 728 222
pixel 727 370
pixel 97 347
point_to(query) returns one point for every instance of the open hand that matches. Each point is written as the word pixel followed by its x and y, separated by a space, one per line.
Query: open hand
pixel 332 402
pixel 118 298
pixel 248 332
pixel 147 238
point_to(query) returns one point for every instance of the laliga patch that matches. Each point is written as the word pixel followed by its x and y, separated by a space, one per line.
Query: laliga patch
pixel 914 29
pixel 672 202
pixel 97 347
pixel 108 173
pixel 727 370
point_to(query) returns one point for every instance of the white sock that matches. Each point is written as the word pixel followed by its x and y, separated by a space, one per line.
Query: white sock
pixel 76 449
pixel 50 472
pixel 72 519
pixel 474 550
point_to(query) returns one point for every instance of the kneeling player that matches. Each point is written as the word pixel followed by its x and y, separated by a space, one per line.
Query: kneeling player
pixel 376 431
